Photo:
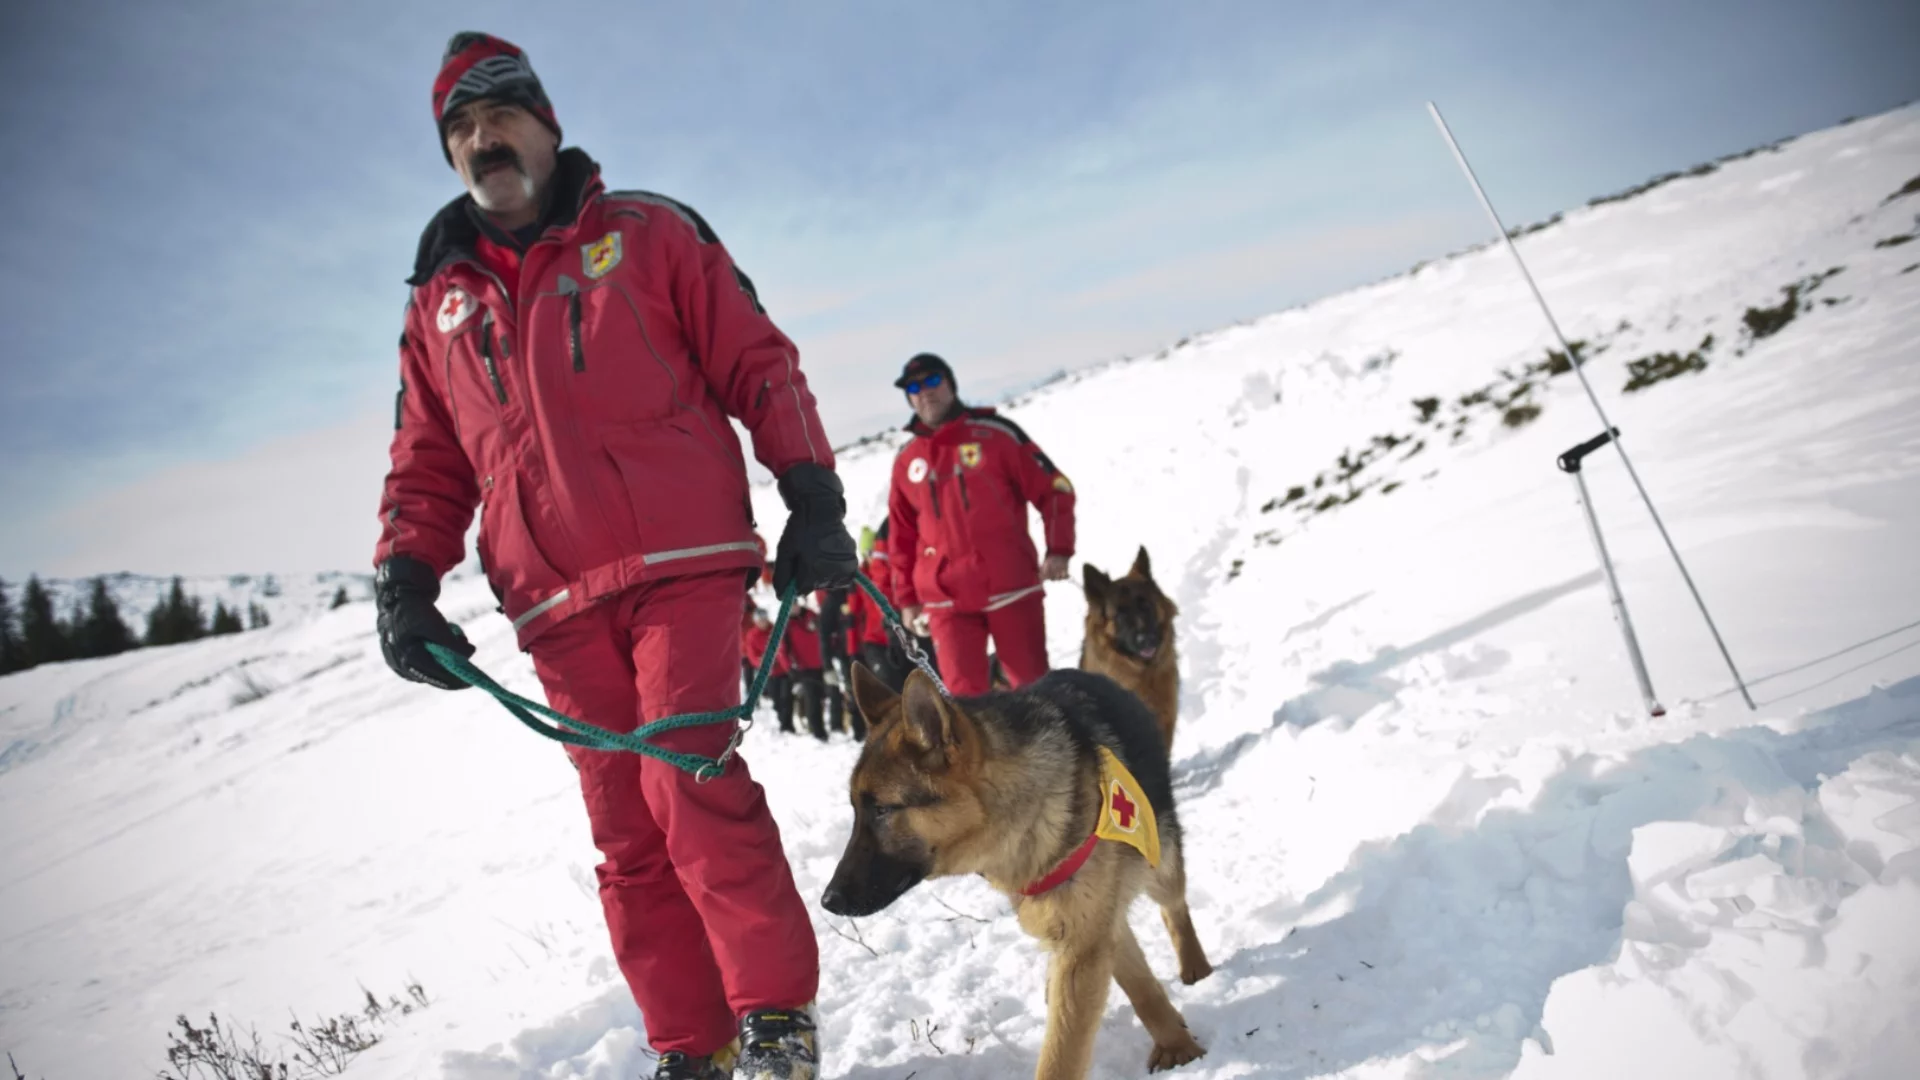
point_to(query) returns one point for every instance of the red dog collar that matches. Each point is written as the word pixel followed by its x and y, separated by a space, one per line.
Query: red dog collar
pixel 1067 868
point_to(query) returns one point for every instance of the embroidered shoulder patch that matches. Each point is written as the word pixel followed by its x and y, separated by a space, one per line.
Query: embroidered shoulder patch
pixel 455 309
pixel 1062 484
pixel 601 256
pixel 1126 816
pixel 916 470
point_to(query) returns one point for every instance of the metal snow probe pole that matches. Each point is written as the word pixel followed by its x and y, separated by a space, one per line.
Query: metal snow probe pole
pixel 1612 434
pixel 1570 464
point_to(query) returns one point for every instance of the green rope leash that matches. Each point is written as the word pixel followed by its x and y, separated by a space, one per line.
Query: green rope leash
pixel 580 733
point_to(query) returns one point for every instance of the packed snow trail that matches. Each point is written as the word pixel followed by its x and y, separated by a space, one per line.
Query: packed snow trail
pixel 1430 830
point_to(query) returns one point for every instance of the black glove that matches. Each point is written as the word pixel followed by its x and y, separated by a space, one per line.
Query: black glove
pixel 815 550
pixel 404 590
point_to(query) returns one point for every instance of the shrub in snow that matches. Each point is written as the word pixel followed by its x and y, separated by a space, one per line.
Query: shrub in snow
pixel 1766 322
pixel 217 1052
pixel 251 689
pixel 1559 363
pixel 323 1047
pixel 1662 366
pixel 1520 416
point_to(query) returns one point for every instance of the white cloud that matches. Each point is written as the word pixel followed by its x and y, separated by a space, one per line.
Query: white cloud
pixel 302 502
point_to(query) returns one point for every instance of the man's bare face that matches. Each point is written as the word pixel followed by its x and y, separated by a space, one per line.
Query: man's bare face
pixel 505 156
pixel 933 403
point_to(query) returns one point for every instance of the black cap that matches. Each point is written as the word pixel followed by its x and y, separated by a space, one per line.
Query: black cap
pixel 921 366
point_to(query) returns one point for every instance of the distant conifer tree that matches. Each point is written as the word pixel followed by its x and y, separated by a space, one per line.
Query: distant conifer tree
pixel 225 619
pixel 12 653
pixel 42 638
pixel 99 630
pixel 340 598
pixel 176 618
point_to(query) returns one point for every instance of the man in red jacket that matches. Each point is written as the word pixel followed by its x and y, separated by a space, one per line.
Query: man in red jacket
pixel 959 545
pixel 806 663
pixel 569 364
pixel 867 633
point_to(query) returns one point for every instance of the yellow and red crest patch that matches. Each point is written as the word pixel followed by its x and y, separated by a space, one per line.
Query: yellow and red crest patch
pixel 1125 814
pixel 600 256
pixel 970 455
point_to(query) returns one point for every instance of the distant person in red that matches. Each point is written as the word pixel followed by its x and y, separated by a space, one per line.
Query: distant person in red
pixel 571 363
pixel 749 657
pixel 874 643
pixel 806 664
pixel 779 686
pixel 959 544
pixel 836 653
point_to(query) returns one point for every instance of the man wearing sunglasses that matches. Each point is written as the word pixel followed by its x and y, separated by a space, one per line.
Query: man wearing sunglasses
pixel 959 546
pixel 570 363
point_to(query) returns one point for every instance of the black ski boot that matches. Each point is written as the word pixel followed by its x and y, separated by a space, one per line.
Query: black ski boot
pixel 678 1065
pixel 778 1044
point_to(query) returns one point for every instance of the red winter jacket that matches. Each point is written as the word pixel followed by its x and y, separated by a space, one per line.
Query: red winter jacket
pixel 755 647
pixel 585 409
pixel 866 623
pixel 957 514
pixel 801 648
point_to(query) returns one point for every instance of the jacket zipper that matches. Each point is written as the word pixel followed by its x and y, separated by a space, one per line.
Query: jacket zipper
pixel 486 357
pixel 965 502
pixel 573 328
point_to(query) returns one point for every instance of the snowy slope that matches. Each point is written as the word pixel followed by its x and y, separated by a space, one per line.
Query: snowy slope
pixel 1431 830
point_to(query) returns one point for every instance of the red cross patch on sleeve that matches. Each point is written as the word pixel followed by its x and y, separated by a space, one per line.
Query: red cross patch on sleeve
pixel 454 309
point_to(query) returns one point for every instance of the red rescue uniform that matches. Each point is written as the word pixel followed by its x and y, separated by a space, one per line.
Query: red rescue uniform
pixel 959 545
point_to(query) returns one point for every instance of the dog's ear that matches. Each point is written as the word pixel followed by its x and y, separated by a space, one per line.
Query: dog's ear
pixel 1096 584
pixel 933 722
pixel 870 695
pixel 1141 566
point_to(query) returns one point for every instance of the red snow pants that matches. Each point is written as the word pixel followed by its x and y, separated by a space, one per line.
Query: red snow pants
pixel 1019 633
pixel 706 922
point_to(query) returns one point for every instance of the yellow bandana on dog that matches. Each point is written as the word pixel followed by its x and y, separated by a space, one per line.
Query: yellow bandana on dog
pixel 1125 814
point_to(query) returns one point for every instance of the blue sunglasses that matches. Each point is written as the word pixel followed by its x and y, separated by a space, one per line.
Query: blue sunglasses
pixel 927 382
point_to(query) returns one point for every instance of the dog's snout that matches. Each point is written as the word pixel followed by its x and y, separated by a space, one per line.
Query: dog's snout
pixel 834 899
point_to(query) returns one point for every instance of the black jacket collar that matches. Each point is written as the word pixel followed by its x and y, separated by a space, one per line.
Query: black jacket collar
pixel 960 412
pixel 452 234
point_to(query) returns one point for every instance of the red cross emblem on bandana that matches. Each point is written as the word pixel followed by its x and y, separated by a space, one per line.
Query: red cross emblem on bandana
pixel 1123 809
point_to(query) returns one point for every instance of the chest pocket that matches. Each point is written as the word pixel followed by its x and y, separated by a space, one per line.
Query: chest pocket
pixel 470 361
pixel 615 356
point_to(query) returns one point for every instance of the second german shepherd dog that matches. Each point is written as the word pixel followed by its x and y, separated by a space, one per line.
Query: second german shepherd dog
pixel 1019 788
pixel 1129 638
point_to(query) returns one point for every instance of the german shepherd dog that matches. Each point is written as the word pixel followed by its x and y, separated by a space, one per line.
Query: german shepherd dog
pixel 1011 786
pixel 1129 638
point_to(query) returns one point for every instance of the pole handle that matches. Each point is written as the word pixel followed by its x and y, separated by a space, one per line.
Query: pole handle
pixel 1569 462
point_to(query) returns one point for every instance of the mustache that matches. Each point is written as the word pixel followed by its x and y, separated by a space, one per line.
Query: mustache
pixel 488 158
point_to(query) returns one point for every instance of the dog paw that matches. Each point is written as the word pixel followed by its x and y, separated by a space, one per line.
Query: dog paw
pixel 1170 1055
pixel 1194 972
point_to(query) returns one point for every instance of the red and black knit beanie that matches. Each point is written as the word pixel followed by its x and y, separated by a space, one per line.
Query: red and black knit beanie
pixel 483 66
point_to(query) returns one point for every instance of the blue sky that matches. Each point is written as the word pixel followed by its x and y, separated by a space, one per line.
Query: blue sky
pixel 219 201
